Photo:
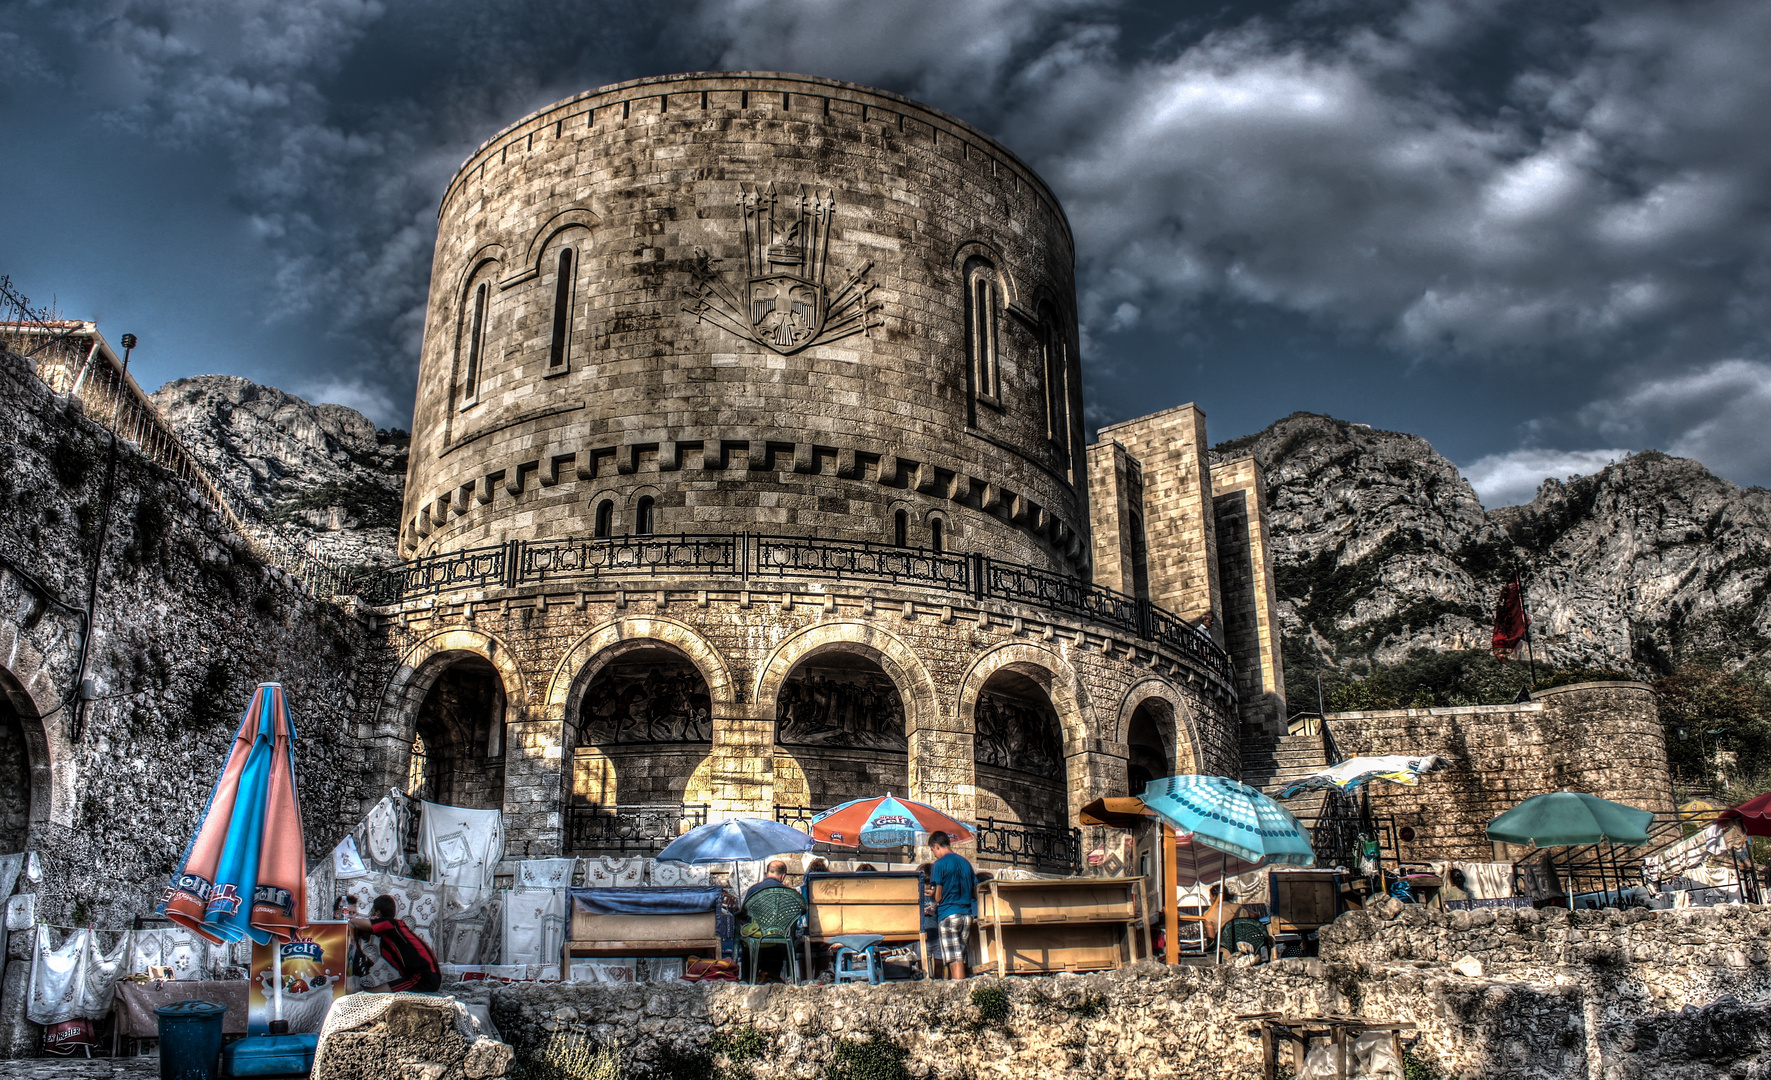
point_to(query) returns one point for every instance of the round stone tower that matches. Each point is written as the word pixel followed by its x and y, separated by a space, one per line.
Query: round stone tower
pixel 747 477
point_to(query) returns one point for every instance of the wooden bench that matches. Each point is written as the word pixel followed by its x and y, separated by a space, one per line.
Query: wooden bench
pixel 589 935
pixel 1336 1028
pixel 1063 924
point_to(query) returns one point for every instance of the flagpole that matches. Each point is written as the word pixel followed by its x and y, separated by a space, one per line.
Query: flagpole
pixel 1530 657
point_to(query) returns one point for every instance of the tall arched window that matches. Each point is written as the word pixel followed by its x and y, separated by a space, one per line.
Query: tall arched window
pixel 1057 380
pixel 642 516
pixel 559 349
pixel 980 330
pixel 937 535
pixel 605 519
pixel 901 529
pixel 476 338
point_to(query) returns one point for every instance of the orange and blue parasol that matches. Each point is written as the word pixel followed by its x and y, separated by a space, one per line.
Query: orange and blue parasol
pixel 884 821
pixel 244 872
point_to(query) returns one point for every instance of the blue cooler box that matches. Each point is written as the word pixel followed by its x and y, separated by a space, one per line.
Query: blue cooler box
pixel 269 1055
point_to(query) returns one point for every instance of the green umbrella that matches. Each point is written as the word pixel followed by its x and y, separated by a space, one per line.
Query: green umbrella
pixel 1570 819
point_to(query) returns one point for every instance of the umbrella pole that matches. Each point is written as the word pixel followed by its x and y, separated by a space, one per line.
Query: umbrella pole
pixel 1222 898
pixel 277 980
pixel 1171 902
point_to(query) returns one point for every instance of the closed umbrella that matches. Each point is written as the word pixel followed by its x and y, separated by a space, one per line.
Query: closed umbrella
pixel 884 821
pixel 244 872
pixel 735 840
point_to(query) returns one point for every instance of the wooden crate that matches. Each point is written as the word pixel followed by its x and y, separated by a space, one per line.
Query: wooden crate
pixel 1070 924
pixel 1302 900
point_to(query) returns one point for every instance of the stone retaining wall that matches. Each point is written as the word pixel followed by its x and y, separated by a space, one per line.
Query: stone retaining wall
pixel 1605 994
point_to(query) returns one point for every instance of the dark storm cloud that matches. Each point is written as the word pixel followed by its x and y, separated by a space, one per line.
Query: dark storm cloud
pixel 1458 187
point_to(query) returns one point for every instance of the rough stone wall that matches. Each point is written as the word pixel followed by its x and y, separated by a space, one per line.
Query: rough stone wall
pixel 1603 738
pixel 1600 994
pixel 1179 529
pixel 187 622
pixel 665 390
pixel 1250 611
pixel 1116 507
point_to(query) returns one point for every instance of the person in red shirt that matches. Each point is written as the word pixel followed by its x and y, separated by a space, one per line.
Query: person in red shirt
pixel 404 951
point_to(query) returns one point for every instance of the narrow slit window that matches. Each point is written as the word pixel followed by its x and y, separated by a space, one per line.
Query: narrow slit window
pixel 901 529
pixel 642 517
pixel 1057 383
pixel 605 519
pixel 559 350
pixel 981 340
pixel 476 334
pixel 937 535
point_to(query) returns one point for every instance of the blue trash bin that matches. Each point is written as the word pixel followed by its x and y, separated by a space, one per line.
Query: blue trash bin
pixel 190 1039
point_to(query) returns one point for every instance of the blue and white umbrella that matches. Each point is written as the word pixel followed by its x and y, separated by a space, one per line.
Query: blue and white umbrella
pixel 1354 773
pixel 735 840
pixel 1232 817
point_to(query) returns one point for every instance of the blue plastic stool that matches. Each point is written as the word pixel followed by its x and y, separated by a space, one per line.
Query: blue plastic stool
pixel 856 958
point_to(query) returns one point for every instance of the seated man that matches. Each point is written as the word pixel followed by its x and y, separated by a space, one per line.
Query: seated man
pixel 403 950
pixel 770 957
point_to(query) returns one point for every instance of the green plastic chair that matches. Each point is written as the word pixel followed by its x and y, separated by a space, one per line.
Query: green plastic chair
pixel 1237 931
pixel 772 914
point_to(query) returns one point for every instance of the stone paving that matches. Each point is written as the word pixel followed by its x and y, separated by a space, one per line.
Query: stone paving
pixel 79 1068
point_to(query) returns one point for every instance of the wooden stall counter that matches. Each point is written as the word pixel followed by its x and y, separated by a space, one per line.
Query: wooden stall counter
pixel 1063 924
pixel 888 904
pixel 641 922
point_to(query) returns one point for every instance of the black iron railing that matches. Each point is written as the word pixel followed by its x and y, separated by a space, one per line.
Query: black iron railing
pixel 1045 848
pixel 742 556
pixel 639 828
pixel 800 817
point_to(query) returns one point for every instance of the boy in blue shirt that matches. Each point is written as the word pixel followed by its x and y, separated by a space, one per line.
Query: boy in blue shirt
pixel 956 903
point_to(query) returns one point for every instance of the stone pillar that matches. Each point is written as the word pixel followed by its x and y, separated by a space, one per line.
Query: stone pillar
pixel 1180 537
pixel 1250 610
pixel 1116 507
pixel 943 772
pixel 536 785
pixel 738 777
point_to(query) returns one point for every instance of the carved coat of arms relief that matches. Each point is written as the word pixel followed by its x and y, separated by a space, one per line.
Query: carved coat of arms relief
pixel 781 301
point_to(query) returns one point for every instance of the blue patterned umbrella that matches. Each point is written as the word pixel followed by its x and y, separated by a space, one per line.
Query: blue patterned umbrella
pixel 1231 817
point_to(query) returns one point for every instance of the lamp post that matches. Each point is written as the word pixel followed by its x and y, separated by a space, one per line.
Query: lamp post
pixel 82 688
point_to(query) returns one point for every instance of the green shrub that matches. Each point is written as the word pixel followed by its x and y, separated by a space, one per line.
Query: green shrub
pixel 992 1003
pixel 872 1058
pixel 570 1055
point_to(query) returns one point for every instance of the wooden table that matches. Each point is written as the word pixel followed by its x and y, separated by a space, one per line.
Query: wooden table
pixel 1333 1026
pixel 1063 924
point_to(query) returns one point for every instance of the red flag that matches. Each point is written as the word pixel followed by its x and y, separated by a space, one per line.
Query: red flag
pixel 1509 620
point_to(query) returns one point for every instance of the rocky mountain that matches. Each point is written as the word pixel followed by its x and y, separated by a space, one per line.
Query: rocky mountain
pixel 319 475
pixel 1383 553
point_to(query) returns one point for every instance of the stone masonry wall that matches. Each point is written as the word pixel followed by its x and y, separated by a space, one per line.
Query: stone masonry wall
pixel 1602 738
pixel 1595 996
pixel 686 201
pixel 187 621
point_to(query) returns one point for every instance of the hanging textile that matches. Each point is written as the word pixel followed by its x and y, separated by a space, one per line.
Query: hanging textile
pixel 418 903
pixel 462 846
pixel 187 953
pixel 472 920
pixel 678 875
pixel 608 872
pixel 1486 880
pixel 380 839
pixel 545 873
pixel 75 978
pixel 11 866
pixel 346 863
pixel 534 926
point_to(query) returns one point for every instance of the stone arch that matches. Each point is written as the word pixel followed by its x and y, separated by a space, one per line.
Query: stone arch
pixel 1186 726
pixel 915 687
pixel 575 217
pixel 1064 691
pixel 411 682
pixel 596 647
pixel 25 763
pixel 488 255
pixel 990 253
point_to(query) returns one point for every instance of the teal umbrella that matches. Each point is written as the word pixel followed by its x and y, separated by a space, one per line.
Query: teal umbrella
pixel 1571 819
pixel 1233 818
